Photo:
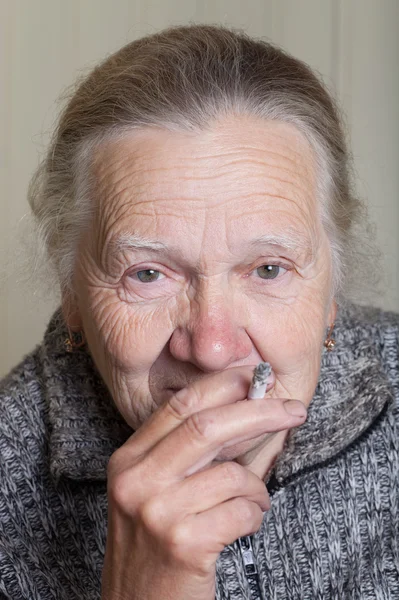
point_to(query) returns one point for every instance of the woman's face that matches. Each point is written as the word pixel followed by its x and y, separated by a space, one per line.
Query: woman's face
pixel 207 252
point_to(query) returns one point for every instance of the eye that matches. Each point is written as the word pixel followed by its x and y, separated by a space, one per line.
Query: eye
pixel 269 271
pixel 147 283
pixel 148 275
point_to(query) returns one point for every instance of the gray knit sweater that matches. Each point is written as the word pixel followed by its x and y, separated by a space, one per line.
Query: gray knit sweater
pixel 332 531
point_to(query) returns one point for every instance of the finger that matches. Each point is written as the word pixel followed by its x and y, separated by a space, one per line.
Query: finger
pixel 216 389
pixel 217 527
pixel 200 438
pixel 206 489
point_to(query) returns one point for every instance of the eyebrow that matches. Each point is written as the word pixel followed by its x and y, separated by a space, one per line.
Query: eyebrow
pixel 134 241
pixel 294 242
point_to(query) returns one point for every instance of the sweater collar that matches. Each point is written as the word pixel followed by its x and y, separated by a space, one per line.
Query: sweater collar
pixel 86 428
pixel 352 391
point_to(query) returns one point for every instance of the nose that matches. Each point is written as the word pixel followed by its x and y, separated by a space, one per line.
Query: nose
pixel 214 336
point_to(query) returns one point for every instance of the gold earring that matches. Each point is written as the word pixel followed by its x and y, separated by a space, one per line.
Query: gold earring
pixel 74 340
pixel 329 342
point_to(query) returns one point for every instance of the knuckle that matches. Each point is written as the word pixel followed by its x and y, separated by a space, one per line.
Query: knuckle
pixel 201 426
pixel 150 514
pixel 256 517
pixel 234 474
pixel 127 489
pixel 244 510
pixel 119 491
pixel 178 540
pixel 183 403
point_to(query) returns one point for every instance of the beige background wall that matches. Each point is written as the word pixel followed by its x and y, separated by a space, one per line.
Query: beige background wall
pixel 44 44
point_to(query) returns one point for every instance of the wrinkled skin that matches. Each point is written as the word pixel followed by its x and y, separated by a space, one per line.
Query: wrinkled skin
pixel 210 303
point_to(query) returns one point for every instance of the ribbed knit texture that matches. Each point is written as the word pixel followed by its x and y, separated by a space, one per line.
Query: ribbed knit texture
pixel 332 531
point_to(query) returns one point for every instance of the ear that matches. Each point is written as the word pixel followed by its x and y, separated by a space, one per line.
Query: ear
pixel 332 313
pixel 70 312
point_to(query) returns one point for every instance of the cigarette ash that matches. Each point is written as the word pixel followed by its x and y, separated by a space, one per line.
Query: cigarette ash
pixel 261 374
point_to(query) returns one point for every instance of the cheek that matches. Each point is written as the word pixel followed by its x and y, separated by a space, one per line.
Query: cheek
pixel 127 336
pixel 291 336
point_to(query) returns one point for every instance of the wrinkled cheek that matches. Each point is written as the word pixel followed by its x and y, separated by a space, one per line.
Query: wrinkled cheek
pixel 129 336
pixel 144 336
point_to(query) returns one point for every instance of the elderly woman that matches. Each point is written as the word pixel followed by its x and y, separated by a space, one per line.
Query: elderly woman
pixel 196 205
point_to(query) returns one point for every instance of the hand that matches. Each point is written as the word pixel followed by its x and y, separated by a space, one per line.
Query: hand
pixel 171 511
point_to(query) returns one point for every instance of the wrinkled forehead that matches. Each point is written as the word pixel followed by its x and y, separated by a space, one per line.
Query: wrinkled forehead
pixel 239 166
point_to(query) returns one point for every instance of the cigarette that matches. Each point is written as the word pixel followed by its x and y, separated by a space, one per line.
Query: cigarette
pixel 258 385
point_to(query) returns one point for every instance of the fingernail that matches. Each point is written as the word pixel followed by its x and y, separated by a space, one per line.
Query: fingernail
pixel 295 408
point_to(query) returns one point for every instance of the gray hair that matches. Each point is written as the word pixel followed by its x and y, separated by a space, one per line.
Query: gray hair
pixel 184 78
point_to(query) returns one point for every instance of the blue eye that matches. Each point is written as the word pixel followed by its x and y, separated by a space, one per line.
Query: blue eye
pixel 148 275
pixel 269 271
